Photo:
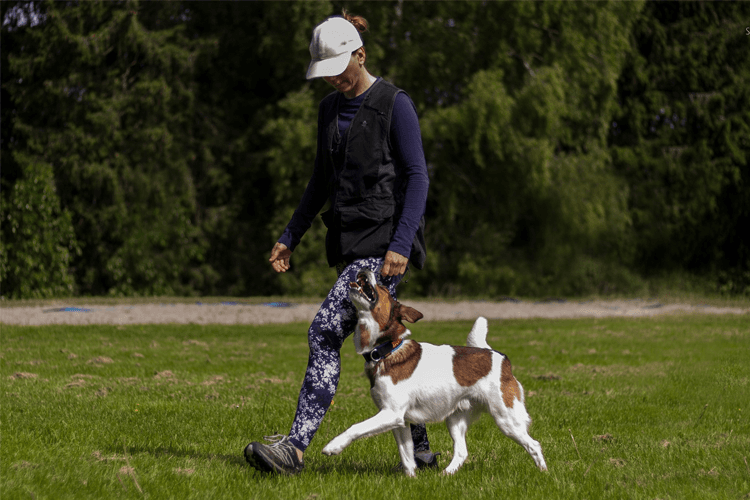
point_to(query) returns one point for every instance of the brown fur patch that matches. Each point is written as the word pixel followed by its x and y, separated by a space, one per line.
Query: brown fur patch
pixel 382 309
pixel 509 384
pixel 393 333
pixel 364 334
pixel 470 364
pixel 389 314
pixel 402 363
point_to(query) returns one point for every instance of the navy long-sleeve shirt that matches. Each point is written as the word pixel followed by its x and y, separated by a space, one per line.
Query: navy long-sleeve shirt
pixel 406 140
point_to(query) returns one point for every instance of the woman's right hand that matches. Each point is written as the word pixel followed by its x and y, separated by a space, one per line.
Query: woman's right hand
pixel 279 260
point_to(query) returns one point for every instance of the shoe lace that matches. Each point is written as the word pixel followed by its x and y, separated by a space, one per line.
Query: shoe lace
pixel 277 440
pixel 283 449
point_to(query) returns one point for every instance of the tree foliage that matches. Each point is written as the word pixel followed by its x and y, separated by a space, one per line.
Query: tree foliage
pixel 161 147
pixel 107 102
pixel 520 163
pixel 38 242
pixel 682 136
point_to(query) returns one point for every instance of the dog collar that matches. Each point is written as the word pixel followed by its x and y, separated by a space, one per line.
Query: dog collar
pixel 382 351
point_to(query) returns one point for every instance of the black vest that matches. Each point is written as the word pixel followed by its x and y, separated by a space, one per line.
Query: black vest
pixel 365 186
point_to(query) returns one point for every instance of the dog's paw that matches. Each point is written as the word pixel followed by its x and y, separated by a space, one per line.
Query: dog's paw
pixel 449 471
pixel 328 450
pixel 335 447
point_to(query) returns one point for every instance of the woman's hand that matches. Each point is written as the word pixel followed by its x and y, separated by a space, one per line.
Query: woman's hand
pixel 394 264
pixel 279 260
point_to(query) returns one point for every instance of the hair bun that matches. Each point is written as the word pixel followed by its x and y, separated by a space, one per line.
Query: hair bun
pixel 359 22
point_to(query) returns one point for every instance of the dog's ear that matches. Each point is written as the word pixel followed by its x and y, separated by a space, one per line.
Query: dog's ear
pixel 410 314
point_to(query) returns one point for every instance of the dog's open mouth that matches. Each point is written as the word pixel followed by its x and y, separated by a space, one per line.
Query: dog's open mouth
pixel 363 286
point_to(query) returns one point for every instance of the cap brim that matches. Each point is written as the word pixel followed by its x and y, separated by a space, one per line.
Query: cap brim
pixel 329 67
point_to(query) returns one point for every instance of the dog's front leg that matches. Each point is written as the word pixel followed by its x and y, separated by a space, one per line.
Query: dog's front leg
pixel 384 421
pixel 406 449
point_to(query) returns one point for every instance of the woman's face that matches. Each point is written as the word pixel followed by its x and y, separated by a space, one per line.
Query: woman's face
pixel 350 82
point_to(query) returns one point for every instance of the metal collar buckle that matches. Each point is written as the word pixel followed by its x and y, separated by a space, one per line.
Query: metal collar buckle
pixel 382 351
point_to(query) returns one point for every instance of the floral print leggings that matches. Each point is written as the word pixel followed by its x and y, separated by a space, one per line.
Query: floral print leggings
pixel 333 323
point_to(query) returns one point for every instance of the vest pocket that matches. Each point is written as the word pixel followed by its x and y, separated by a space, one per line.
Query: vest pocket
pixel 366 229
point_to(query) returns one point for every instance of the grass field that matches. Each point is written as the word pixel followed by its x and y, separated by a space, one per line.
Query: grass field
pixel 623 408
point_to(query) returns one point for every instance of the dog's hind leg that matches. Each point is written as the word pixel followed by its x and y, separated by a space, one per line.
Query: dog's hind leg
pixel 514 422
pixel 406 449
pixel 458 424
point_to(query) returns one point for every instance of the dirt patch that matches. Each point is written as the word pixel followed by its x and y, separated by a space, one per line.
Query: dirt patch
pixel 129 380
pixel 100 360
pixel 216 379
pixel 256 314
pixel 76 384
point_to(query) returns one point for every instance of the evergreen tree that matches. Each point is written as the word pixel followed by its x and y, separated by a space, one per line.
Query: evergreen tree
pixel 682 136
pixel 107 101
pixel 38 242
pixel 255 136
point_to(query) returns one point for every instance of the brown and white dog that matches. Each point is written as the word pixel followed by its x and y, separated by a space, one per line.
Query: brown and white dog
pixel 416 382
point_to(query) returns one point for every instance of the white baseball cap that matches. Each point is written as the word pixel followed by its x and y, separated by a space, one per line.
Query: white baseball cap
pixel 332 44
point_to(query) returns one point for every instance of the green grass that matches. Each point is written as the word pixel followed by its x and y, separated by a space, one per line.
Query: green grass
pixel 658 408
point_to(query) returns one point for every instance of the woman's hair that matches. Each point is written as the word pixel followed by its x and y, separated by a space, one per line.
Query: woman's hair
pixel 359 22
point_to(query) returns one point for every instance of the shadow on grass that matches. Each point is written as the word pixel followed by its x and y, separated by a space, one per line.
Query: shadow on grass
pixel 355 466
pixel 170 451
pixel 324 468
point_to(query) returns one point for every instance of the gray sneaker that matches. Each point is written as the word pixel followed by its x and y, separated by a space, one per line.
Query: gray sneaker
pixel 279 457
pixel 424 459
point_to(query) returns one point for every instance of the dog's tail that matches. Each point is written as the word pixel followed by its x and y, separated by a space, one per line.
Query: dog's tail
pixel 478 335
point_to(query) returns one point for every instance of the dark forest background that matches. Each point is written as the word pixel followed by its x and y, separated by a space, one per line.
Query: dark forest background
pixel 574 148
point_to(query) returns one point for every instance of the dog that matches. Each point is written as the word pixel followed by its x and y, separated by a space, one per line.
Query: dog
pixel 416 382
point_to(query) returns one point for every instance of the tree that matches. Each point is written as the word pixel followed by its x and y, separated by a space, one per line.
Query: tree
pixel 38 242
pixel 681 138
pixel 567 142
pixel 250 168
pixel 519 165
pixel 107 102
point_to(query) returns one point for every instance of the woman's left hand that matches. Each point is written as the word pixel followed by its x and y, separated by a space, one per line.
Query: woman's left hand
pixel 394 264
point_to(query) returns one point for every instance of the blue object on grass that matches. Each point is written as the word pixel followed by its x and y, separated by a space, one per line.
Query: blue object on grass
pixel 278 304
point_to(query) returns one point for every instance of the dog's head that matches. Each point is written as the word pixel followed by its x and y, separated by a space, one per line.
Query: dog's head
pixel 374 300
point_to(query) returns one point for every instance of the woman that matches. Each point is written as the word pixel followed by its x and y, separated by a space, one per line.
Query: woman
pixel 370 166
